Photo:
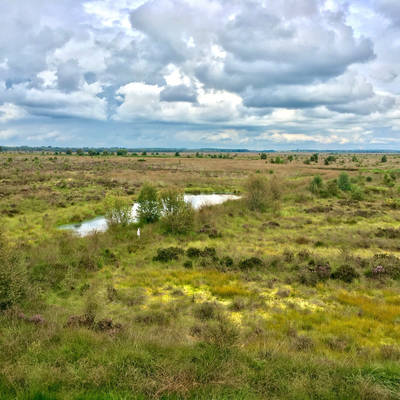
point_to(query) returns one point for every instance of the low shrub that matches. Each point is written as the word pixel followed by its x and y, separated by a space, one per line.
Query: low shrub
pixel 345 273
pixel 152 317
pixel 205 311
pixel 249 263
pixel 193 252
pixel 168 254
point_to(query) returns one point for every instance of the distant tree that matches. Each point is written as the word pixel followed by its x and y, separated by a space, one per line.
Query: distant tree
pixel 144 153
pixel 314 157
pixel 290 158
pixel 68 152
pixel 384 158
pixel 122 152
pixel 80 152
pixel 177 154
pixel 263 156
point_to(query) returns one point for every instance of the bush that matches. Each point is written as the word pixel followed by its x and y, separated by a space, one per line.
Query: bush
pixel 188 264
pixel 193 252
pixel 178 216
pixel 251 262
pixel 149 209
pixel 118 211
pixel 316 184
pixel 345 273
pixel 357 193
pixel 168 254
pixel 384 158
pixel 257 193
pixel 344 182
pixel 262 193
pixel 206 311
pixel 13 280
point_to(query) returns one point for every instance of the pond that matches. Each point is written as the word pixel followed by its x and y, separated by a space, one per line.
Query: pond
pixel 100 224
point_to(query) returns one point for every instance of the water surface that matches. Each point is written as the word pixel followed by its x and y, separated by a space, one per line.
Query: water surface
pixel 100 224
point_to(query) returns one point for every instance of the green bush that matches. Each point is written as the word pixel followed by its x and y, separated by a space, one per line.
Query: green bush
pixel 149 209
pixel 344 182
pixel 118 211
pixel 316 185
pixel 251 262
pixel 345 273
pixel 168 254
pixel 177 216
pixel 357 193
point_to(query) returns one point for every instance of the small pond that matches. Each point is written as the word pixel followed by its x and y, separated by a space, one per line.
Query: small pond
pixel 99 224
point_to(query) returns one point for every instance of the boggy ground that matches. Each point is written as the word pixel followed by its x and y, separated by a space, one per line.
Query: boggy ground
pixel 300 301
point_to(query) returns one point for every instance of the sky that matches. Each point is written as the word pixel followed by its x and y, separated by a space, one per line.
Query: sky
pixel 287 74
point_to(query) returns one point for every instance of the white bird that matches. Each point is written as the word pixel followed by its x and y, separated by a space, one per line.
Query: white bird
pixel 138 232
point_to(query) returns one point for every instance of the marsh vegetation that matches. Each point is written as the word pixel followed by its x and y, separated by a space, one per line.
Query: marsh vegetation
pixel 290 292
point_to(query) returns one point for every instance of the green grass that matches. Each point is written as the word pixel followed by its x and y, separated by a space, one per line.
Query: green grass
pixel 276 330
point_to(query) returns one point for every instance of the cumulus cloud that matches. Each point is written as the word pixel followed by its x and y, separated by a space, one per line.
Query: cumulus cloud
pixel 244 72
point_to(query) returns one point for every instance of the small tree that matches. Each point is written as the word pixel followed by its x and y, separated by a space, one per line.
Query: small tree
pixel 344 182
pixel 149 209
pixel 118 211
pixel 178 216
pixel 263 156
pixel 384 158
pixel 257 192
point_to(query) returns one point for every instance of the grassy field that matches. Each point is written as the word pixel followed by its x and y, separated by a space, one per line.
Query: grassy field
pixel 294 298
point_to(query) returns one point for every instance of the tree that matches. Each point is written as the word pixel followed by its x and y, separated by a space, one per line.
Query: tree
pixel 118 211
pixel 149 209
pixel 178 216
pixel 177 154
pixel 263 156
pixel 79 152
pixel 384 158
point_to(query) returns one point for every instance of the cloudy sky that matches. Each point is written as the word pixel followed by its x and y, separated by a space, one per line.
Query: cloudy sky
pixel 287 74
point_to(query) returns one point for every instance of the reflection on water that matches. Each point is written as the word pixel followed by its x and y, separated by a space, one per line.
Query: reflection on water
pixel 99 224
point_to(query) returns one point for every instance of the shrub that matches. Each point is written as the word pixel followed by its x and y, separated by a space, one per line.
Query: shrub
pixel 316 184
pixel 178 216
pixel 13 280
pixel 344 182
pixel 226 261
pixel 257 193
pixel 345 273
pixel 118 211
pixel 152 317
pixel 168 254
pixel 206 311
pixel 262 193
pixel 193 252
pixel 149 209
pixel 221 333
pixel 251 262
pixel 357 193
pixel 384 159
pixel 188 264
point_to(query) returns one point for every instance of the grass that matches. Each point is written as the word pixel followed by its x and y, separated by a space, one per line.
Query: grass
pixel 275 329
